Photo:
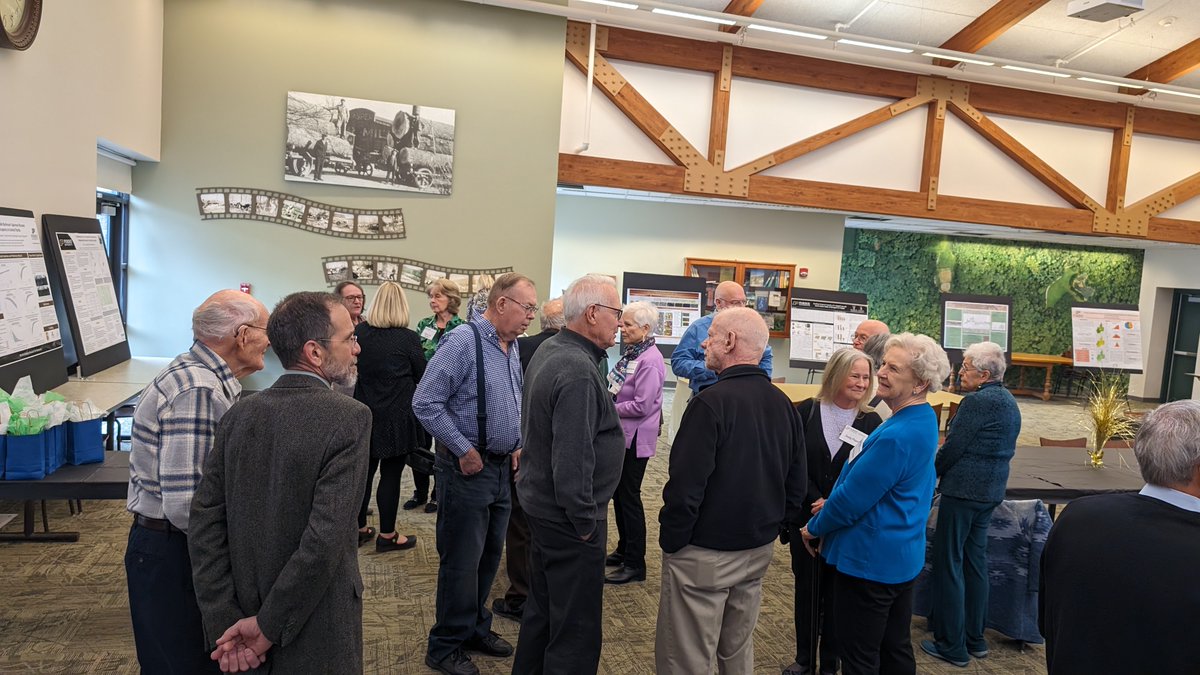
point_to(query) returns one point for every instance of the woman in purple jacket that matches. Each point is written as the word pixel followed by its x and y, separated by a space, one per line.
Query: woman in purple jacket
pixel 636 383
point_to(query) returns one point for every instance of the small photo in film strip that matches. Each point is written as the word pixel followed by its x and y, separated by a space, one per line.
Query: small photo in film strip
pixel 413 274
pixel 298 212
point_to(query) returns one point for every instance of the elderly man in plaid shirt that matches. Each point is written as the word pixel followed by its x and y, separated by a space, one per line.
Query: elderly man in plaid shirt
pixel 172 434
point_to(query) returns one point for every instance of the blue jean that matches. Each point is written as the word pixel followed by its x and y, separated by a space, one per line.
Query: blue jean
pixel 472 518
pixel 167 629
pixel 959 580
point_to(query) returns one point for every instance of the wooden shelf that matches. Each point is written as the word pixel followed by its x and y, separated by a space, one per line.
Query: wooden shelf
pixel 768 286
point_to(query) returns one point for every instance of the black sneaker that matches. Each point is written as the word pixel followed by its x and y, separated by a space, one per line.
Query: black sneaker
pixel 490 645
pixel 413 503
pixel 614 560
pixel 457 663
pixel 509 610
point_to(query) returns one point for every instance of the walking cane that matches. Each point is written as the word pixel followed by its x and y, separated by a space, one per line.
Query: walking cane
pixel 814 629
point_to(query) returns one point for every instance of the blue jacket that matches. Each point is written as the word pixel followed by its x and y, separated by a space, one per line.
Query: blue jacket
pixel 688 358
pixel 873 524
pixel 973 462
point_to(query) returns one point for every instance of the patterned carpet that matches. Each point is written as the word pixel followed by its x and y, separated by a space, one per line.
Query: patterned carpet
pixel 65 608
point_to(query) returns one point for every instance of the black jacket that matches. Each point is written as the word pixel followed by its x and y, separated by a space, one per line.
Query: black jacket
pixel 738 467
pixel 529 345
pixel 389 367
pixel 823 470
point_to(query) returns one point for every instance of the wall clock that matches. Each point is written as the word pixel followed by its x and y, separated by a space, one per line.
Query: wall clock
pixel 20 20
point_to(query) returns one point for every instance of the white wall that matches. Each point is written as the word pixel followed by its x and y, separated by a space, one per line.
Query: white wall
pixel 613 236
pixel 1164 270
pixel 94 75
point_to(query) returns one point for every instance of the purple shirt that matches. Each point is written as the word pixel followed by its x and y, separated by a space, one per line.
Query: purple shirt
pixel 639 403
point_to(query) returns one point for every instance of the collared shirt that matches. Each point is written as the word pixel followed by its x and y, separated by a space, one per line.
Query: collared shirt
pixel 687 360
pixel 173 432
pixel 1173 497
pixel 445 400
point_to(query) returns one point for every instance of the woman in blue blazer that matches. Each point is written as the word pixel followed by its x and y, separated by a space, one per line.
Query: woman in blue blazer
pixel 872 526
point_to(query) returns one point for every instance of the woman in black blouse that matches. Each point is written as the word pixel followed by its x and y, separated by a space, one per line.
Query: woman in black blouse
pixel 835 424
pixel 389 367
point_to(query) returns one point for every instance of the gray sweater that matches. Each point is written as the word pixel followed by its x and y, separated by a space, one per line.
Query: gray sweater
pixel 574 445
pixel 973 462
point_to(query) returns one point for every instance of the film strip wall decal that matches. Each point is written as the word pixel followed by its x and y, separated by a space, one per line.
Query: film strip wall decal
pixel 373 270
pixel 305 214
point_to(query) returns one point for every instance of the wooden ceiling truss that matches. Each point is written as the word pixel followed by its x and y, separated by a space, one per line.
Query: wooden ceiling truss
pixel 695 173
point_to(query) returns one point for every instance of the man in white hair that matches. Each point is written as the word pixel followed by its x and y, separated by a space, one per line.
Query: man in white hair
pixel 738 471
pixel 687 361
pixel 570 467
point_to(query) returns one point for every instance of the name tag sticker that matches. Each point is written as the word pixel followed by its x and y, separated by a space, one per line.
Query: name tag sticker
pixel 852 436
pixel 428 333
pixel 630 367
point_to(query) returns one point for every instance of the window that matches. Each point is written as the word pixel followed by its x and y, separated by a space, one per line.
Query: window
pixel 112 210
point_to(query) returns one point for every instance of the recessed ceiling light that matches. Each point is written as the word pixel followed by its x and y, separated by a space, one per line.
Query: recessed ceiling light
pixel 1167 21
pixel 1109 83
pixel 612 3
pixel 694 17
pixel 872 45
pixel 978 62
pixel 1035 71
pixel 786 31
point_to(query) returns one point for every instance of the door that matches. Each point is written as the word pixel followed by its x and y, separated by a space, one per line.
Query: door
pixel 1181 349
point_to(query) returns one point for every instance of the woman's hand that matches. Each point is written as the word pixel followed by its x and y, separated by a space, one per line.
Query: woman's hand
pixel 807 539
pixel 816 507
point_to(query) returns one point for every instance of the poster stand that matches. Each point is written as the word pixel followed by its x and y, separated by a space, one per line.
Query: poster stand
pixel 679 299
pixel 820 323
pixel 1106 337
pixel 42 362
pixel 967 319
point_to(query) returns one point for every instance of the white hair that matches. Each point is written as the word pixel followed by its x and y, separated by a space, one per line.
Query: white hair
pixel 584 292
pixel 643 314
pixel 987 356
pixel 218 318
pixel 1167 446
pixel 930 364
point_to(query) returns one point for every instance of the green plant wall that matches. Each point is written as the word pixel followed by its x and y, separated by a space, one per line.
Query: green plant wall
pixel 904 273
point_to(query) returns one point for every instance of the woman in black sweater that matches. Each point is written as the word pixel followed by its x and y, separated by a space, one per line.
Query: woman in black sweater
pixel 389 367
pixel 835 424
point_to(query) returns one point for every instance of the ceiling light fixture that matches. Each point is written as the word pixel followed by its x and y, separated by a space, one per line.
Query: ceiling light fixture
pixel 694 17
pixel 612 3
pixel 785 31
pixel 1035 71
pixel 1109 82
pixel 960 59
pixel 872 45
pixel 1174 92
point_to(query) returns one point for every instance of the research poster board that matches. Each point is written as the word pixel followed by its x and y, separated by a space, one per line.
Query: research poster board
pixel 89 296
pixel 30 338
pixel 822 322
pixel 1106 336
pixel 679 301
pixel 968 319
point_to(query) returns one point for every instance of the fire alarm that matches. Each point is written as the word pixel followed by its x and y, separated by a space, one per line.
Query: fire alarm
pixel 244 287
pixel 802 272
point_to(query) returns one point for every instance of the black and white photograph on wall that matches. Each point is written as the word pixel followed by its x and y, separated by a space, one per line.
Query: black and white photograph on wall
pixel 362 269
pixel 293 210
pixel 392 224
pixel 367 223
pixel 386 271
pixel 239 202
pixel 265 205
pixel 343 222
pixel 335 271
pixel 433 275
pixel 463 282
pixel 318 218
pixel 373 144
pixel 411 275
pixel 212 202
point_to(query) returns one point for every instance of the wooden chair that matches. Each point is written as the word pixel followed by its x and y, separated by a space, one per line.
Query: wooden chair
pixel 937 410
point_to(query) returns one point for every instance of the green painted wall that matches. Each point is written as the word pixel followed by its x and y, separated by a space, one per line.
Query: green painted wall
pixel 904 273
pixel 227 68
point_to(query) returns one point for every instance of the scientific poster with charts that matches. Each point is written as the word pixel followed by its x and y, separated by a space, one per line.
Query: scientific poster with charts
pixel 968 319
pixel 1107 336
pixel 85 264
pixel 28 324
pixel 822 322
pixel 676 311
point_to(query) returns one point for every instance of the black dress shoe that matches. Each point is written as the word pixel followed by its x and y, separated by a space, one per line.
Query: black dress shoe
pixel 614 560
pixel 457 663
pixel 491 645
pixel 365 536
pixel 508 610
pixel 383 544
pixel 431 507
pixel 625 575
pixel 413 503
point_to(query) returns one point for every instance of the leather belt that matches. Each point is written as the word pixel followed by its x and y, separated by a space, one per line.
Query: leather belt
pixel 156 524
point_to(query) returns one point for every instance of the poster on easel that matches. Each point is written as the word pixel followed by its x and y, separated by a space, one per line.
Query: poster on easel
pixel 1106 336
pixel 822 322
pixel 968 319
pixel 679 301
pixel 30 339
pixel 89 296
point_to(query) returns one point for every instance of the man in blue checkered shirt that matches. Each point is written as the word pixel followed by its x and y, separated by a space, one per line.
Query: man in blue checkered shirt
pixel 473 478
pixel 172 433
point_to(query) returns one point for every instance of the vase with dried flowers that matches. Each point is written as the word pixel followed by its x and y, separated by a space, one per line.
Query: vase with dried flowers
pixel 1107 412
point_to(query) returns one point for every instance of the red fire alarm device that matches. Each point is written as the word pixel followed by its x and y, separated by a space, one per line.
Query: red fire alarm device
pixel 245 287
pixel 802 272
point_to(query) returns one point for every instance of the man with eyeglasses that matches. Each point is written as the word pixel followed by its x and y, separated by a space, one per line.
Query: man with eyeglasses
pixel 574 450
pixel 273 543
pixel 687 361
pixel 172 433
pixel 474 470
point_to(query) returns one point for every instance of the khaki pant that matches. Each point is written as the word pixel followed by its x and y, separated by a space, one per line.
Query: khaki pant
pixel 707 610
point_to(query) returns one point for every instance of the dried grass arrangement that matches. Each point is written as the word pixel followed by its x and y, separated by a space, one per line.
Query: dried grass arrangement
pixel 1107 410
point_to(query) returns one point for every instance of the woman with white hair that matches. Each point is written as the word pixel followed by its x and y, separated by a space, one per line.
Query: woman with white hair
pixel 872 526
pixel 636 383
pixel 973 467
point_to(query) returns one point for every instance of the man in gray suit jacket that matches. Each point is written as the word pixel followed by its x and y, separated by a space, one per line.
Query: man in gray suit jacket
pixel 273 539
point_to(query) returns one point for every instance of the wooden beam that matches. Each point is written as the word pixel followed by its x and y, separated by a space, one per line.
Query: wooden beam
pixel 1170 196
pixel 1011 147
pixel 990 25
pixel 821 74
pixel 740 8
pixel 931 160
pixel 718 125
pixel 661 50
pixel 1118 164
pixel 1171 66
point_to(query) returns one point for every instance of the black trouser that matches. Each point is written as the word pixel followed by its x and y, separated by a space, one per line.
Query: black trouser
pixel 516 554
pixel 421 483
pixel 167 629
pixel 627 507
pixel 387 497
pixel 561 626
pixel 814 599
pixel 873 624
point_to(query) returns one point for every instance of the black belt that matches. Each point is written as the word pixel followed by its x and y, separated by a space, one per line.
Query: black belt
pixel 156 524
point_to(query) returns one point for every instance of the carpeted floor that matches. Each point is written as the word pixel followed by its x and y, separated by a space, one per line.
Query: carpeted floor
pixel 64 607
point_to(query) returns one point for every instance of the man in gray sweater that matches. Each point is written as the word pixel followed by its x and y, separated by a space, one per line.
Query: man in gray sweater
pixel 570 467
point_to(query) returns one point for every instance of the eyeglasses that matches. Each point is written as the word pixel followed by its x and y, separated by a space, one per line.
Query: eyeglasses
pixel 354 298
pixel 249 325
pixel 618 310
pixel 352 338
pixel 529 309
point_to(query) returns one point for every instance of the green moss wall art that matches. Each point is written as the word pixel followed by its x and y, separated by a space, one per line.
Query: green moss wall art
pixel 904 273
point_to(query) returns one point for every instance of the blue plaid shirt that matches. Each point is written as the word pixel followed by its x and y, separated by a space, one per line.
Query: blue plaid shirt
pixel 445 400
pixel 173 431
